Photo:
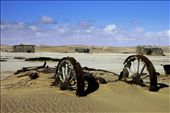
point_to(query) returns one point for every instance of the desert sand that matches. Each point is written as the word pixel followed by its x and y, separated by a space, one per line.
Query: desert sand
pixel 22 95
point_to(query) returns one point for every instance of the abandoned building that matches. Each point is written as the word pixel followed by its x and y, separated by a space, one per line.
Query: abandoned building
pixel 24 48
pixel 82 50
pixel 149 50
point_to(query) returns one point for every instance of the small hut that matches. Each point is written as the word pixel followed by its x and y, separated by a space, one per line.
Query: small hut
pixel 149 50
pixel 24 48
pixel 82 50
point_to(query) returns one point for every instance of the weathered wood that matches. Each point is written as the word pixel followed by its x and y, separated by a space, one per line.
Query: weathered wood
pixel 92 69
pixel 101 80
pixel 42 59
pixel 19 58
pixel 32 75
pixel 24 69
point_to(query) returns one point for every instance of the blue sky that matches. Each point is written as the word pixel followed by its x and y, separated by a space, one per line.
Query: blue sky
pixel 106 23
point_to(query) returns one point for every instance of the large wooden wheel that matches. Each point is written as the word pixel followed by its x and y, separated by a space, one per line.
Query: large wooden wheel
pixel 140 70
pixel 69 75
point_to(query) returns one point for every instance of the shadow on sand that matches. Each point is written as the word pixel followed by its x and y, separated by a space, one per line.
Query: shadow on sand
pixel 93 85
pixel 162 85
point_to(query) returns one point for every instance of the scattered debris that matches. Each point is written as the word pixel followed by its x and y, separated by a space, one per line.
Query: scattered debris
pixel 33 75
pixel 19 58
pixel 3 60
pixel 24 69
pixel 92 69
pixel 101 80
pixel 47 70
pixel 42 59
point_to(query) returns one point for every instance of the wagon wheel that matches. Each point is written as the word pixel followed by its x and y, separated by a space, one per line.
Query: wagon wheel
pixel 69 75
pixel 140 70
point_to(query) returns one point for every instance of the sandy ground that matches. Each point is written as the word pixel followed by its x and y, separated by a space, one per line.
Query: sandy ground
pixel 107 61
pixel 22 95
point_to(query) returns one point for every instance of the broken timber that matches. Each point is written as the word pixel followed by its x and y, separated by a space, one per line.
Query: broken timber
pixel 24 69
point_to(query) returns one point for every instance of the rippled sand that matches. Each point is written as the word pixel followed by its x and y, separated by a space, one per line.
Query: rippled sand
pixel 22 95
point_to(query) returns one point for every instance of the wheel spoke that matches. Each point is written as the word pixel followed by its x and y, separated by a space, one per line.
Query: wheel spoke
pixel 61 78
pixel 74 86
pixel 66 70
pixel 146 75
pixel 133 68
pixel 130 73
pixel 72 78
pixel 69 73
pixel 63 73
pixel 142 69
pixel 138 65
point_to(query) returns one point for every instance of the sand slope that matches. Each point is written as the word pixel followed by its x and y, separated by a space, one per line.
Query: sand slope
pixel 22 95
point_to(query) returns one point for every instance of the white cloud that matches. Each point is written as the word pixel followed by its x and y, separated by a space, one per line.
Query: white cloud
pixel 38 34
pixel 47 20
pixel 33 27
pixel 81 33
pixel 110 28
pixel 121 37
pixel 84 25
pixel 3 27
pixel 164 33
pixel 150 34
pixel 138 30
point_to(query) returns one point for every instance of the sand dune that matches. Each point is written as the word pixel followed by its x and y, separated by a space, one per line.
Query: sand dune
pixel 22 95
pixel 93 49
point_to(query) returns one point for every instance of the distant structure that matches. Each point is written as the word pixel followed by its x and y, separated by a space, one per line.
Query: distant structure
pixel 82 50
pixel 149 50
pixel 24 48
